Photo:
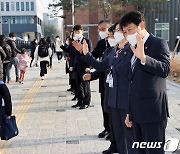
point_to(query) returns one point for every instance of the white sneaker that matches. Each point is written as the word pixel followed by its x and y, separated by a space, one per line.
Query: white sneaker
pixel 59 61
pixel 42 78
pixel 22 82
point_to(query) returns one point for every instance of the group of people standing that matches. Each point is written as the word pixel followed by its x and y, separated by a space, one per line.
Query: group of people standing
pixel 132 67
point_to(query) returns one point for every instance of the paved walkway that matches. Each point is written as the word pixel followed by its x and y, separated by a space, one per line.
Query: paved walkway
pixel 48 124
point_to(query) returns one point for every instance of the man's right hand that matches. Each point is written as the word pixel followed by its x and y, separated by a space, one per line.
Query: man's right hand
pixel 87 77
pixel 128 122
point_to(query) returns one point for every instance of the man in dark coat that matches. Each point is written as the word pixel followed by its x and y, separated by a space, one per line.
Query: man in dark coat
pixel 148 103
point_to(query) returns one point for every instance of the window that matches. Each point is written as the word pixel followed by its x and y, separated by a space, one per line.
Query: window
pixel 32 6
pixel 86 31
pixel 162 30
pixel 2 6
pixel 12 6
pixel 17 6
pixel 22 6
pixel 27 6
pixel 7 6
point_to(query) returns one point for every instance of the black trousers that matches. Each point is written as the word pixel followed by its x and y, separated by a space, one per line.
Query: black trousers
pixel 112 135
pixel 105 114
pixel 123 135
pixel 43 68
pixel 32 58
pixel 59 55
pixel 5 67
pixel 150 132
pixel 84 93
pixel 50 61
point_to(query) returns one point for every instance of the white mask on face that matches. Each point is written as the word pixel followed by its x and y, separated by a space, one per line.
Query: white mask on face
pixel 58 39
pixel 112 42
pixel 67 42
pixel 103 35
pixel 77 36
pixel 118 37
pixel 132 39
pixel 14 38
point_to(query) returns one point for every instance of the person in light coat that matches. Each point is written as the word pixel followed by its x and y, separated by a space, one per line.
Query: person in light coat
pixel 43 60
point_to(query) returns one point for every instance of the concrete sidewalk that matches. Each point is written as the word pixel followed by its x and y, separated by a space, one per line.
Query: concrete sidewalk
pixel 48 124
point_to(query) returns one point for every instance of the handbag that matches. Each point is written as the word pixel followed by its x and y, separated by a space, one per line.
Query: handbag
pixel 9 127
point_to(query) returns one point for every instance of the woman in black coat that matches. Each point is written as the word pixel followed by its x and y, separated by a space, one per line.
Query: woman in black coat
pixel 34 44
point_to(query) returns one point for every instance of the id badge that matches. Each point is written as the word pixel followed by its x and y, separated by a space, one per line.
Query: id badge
pixel 111 82
pixel 107 79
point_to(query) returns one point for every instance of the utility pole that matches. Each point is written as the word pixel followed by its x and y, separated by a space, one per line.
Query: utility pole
pixel 73 13
pixel 0 21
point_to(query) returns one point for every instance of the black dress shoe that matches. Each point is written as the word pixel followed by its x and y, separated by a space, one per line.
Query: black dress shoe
pixel 110 151
pixel 74 99
pixel 103 134
pixel 74 106
pixel 69 89
pixel 83 107
pixel 108 137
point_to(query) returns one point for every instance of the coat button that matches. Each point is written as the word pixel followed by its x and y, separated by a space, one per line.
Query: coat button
pixel 131 82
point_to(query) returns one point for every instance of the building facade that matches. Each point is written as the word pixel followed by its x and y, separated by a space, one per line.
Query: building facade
pixel 89 19
pixel 165 21
pixel 23 17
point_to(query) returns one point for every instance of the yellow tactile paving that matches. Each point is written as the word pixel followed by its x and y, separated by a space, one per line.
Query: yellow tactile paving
pixel 22 108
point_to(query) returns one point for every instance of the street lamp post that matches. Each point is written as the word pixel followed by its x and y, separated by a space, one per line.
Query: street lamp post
pixel 73 14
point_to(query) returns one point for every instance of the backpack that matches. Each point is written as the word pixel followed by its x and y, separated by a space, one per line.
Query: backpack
pixel 23 63
pixel 43 51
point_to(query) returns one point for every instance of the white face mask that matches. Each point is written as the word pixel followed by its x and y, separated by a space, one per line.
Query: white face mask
pixel 77 36
pixel 103 35
pixel 132 39
pixel 118 37
pixel 14 38
pixel 36 41
pixel 112 42
pixel 58 39
pixel 67 42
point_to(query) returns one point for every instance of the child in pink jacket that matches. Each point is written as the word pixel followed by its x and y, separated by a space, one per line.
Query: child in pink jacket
pixel 22 64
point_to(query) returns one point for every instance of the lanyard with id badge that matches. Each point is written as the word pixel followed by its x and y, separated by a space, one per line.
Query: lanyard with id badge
pixel 109 78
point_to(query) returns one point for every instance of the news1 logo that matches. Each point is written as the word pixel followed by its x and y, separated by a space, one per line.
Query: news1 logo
pixel 171 145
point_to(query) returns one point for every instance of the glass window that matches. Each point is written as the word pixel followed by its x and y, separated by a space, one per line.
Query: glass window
pixel 86 31
pixel 7 6
pixel 12 6
pixel 2 6
pixel 17 6
pixel 32 6
pixel 22 6
pixel 162 30
pixel 27 6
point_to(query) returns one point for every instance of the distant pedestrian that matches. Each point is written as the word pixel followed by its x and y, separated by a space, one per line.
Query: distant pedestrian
pixel 52 46
pixel 42 54
pixel 22 64
pixel 8 51
pixel 59 51
pixel 34 44
pixel 177 41
pixel 13 59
